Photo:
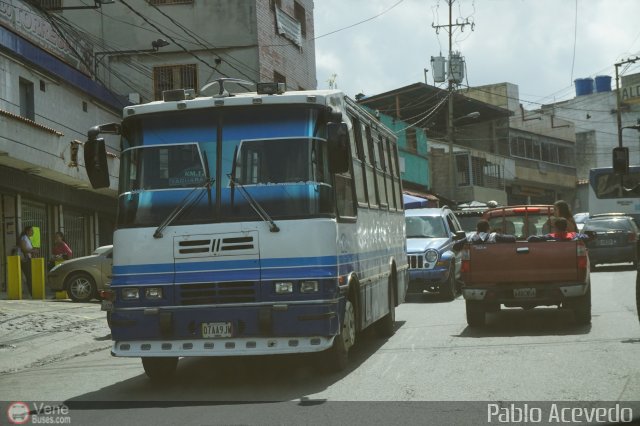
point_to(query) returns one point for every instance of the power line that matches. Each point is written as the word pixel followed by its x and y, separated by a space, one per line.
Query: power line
pixel 170 38
pixel 201 41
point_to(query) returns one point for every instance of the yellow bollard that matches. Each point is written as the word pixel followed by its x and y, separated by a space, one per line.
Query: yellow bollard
pixel 37 278
pixel 63 293
pixel 14 278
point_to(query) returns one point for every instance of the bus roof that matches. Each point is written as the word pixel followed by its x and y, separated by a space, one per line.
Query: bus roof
pixel 333 98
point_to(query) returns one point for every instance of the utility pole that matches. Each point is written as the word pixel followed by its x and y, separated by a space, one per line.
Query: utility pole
pixel 452 84
pixel 618 100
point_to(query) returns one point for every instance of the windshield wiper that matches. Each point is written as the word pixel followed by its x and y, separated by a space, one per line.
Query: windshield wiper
pixel 187 202
pixel 255 205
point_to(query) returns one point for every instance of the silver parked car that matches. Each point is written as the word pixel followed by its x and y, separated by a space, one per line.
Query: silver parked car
pixel 83 277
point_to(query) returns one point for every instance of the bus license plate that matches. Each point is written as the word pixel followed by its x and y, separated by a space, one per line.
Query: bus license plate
pixel 524 292
pixel 216 329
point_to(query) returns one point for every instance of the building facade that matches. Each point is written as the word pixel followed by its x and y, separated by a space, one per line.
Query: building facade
pixel 47 104
pixel 142 48
pixel 540 144
pixel 594 113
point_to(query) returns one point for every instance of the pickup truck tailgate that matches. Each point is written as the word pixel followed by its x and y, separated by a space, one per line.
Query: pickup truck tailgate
pixel 522 262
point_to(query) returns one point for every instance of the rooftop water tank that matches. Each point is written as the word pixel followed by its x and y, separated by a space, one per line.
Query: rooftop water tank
pixel 603 83
pixel 584 86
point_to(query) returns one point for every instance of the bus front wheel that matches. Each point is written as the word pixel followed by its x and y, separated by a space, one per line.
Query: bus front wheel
pixel 338 354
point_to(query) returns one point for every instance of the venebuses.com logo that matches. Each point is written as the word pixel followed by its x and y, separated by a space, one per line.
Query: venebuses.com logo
pixel 19 413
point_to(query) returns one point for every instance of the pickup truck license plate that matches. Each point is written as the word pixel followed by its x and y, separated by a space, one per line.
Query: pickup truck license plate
pixel 216 329
pixel 524 292
pixel 106 305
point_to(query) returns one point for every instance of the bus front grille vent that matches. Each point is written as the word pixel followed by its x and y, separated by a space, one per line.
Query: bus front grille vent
pixel 217 293
pixel 216 245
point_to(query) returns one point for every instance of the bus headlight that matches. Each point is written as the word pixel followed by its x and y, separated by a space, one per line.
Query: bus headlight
pixel 284 287
pixel 431 256
pixel 130 293
pixel 309 287
pixel 153 293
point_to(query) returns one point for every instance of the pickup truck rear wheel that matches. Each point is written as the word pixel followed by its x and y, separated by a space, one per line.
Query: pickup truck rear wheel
pixel 476 314
pixel 582 308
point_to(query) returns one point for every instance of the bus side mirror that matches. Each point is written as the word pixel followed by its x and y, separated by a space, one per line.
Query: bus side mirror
pixel 95 161
pixel 338 141
pixel 621 160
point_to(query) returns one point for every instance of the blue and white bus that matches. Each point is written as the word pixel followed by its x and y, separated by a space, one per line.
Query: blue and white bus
pixel 257 223
pixel 614 193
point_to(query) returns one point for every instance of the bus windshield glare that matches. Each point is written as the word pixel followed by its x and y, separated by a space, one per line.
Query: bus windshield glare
pixel 277 154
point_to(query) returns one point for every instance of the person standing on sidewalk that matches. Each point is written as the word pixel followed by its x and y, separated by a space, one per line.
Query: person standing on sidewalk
pixel 26 252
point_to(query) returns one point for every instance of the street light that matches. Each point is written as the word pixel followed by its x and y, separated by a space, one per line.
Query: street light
pixel 155 45
pixel 450 122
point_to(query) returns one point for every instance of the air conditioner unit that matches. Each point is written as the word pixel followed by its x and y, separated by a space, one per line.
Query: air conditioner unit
pixel 134 98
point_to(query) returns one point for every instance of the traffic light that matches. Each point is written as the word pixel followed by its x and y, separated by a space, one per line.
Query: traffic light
pixel 621 160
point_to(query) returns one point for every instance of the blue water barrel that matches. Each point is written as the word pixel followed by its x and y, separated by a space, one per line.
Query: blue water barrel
pixel 584 86
pixel 603 83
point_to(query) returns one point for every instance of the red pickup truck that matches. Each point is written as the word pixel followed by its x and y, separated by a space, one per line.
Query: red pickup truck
pixel 525 274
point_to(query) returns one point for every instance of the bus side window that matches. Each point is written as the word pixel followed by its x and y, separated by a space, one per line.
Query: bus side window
pixel 358 162
pixel 346 204
pixel 372 185
pixel 391 189
pixel 396 175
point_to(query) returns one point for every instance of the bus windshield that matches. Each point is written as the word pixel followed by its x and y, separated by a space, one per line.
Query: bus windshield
pixel 277 153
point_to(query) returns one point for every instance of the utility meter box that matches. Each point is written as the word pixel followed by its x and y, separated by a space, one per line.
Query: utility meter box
pixel 456 68
pixel 437 65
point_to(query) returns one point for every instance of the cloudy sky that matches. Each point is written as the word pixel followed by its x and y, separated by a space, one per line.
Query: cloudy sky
pixel 540 45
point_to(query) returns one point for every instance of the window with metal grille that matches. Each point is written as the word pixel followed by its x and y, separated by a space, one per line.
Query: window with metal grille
pixel 162 2
pixel 50 4
pixel 27 109
pixel 35 214
pixel 174 77
pixel 412 139
pixel 301 16
pixel 76 231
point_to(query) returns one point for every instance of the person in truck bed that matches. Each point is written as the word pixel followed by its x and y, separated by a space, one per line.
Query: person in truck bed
pixel 560 233
pixel 483 235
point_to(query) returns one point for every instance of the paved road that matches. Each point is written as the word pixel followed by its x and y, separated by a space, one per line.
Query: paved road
pixel 538 355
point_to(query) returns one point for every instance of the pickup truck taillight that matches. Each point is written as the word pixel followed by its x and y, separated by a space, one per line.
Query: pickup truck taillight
pixel 581 254
pixel 466 264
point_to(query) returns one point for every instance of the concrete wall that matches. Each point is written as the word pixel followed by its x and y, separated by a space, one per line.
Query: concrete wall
pixel 242 33
pixel 503 95
pixel 298 64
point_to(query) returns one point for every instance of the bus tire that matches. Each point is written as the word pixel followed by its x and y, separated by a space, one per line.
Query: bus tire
pixel 160 369
pixel 476 314
pixel 638 293
pixel 337 357
pixel 386 326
